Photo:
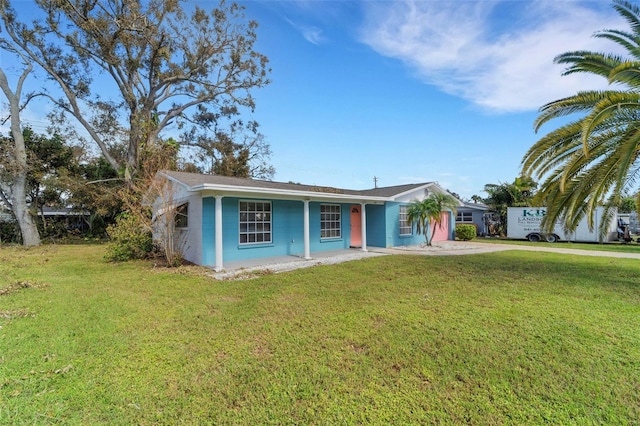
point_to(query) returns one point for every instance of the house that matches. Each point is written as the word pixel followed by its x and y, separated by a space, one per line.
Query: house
pixel 473 214
pixel 73 220
pixel 223 219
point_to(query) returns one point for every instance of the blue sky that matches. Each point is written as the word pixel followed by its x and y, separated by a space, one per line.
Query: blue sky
pixel 414 91
pixel 411 91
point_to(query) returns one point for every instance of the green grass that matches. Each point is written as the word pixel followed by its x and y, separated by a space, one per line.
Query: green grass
pixel 501 338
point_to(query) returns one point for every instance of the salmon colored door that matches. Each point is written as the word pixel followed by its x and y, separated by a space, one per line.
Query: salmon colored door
pixel 356 227
pixel 442 231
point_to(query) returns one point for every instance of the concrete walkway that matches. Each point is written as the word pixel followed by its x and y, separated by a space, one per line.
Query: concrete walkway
pixel 254 267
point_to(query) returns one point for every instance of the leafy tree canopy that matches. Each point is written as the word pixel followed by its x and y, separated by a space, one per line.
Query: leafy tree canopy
pixel 627 205
pixel 164 61
pixel 61 175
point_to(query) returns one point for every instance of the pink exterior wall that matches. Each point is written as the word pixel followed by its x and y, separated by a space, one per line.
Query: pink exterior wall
pixel 442 232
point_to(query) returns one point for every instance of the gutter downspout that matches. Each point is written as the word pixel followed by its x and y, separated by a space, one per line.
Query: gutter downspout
pixel 307 245
pixel 218 266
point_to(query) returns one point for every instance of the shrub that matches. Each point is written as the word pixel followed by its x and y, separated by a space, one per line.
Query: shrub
pixel 51 229
pixel 9 232
pixel 465 232
pixel 130 239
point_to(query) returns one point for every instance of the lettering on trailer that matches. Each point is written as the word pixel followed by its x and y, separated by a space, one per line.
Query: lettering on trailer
pixel 534 212
pixel 532 217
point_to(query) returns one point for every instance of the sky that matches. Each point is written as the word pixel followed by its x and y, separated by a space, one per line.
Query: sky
pixel 394 92
pixel 416 91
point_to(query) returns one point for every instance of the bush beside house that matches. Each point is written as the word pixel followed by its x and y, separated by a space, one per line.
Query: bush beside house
pixel 465 232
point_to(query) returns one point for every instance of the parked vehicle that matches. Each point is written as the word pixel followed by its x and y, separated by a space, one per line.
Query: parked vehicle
pixel 631 219
pixel 524 223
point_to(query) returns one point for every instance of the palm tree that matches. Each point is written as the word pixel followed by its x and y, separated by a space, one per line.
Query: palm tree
pixel 427 214
pixel 592 160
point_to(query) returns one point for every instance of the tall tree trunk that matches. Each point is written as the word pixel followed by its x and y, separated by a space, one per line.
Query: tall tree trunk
pixel 136 141
pixel 26 221
pixel 131 167
pixel 18 164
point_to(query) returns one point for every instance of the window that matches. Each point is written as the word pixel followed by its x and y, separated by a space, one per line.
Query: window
pixel 181 219
pixel 255 222
pixel 405 226
pixel 330 221
pixel 464 217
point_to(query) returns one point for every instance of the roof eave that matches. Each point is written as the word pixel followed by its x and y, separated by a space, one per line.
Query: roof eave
pixel 174 179
pixel 426 185
pixel 283 193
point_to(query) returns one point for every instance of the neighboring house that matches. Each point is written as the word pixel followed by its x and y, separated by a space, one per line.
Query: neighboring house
pixel 72 219
pixel 472 214
pixel 221 219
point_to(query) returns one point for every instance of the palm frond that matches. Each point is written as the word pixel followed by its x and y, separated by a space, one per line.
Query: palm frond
pixel 628 40
pixel 590 62
pixel 630 12
pixel 627 73
pixel 581 102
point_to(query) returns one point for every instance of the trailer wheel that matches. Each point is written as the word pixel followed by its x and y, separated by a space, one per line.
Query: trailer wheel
pixel 551 238
pixel 534 238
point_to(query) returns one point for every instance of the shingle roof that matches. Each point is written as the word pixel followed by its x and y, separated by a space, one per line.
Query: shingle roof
pixel 476 206
pixel 390 191
pixel 193 180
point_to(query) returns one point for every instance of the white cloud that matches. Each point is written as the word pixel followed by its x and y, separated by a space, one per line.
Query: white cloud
pixel 310 33
pixel 497 55
pixel 313 35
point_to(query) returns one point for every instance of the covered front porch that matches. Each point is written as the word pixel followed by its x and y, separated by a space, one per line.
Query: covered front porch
pixel 355 234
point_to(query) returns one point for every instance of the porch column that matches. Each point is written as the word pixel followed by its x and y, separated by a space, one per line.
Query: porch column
pixel 363 226
pixel 218 266
pixel 307 245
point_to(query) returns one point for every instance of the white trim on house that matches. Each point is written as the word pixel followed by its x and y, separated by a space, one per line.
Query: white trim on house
pixel 234 191
pixel 363 228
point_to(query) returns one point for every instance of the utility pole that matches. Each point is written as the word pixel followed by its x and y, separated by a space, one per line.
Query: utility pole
pixel 375 181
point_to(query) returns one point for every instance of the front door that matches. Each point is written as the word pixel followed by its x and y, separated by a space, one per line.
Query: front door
pixel 356 227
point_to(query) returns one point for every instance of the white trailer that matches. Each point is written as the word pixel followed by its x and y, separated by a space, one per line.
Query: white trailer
pixel 524 223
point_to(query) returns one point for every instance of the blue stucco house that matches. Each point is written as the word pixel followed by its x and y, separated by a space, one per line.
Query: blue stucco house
pixel 472 213
pixel 218 219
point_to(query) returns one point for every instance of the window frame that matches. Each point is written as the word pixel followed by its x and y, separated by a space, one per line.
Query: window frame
pixel 403 222
pixel 181 216
pixel 464 216
pixel 258 222
pixel 329 220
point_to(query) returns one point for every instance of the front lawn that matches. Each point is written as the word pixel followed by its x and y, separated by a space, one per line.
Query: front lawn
pixel 503 338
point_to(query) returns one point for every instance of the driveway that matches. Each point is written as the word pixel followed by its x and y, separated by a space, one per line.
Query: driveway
pixel 449 248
